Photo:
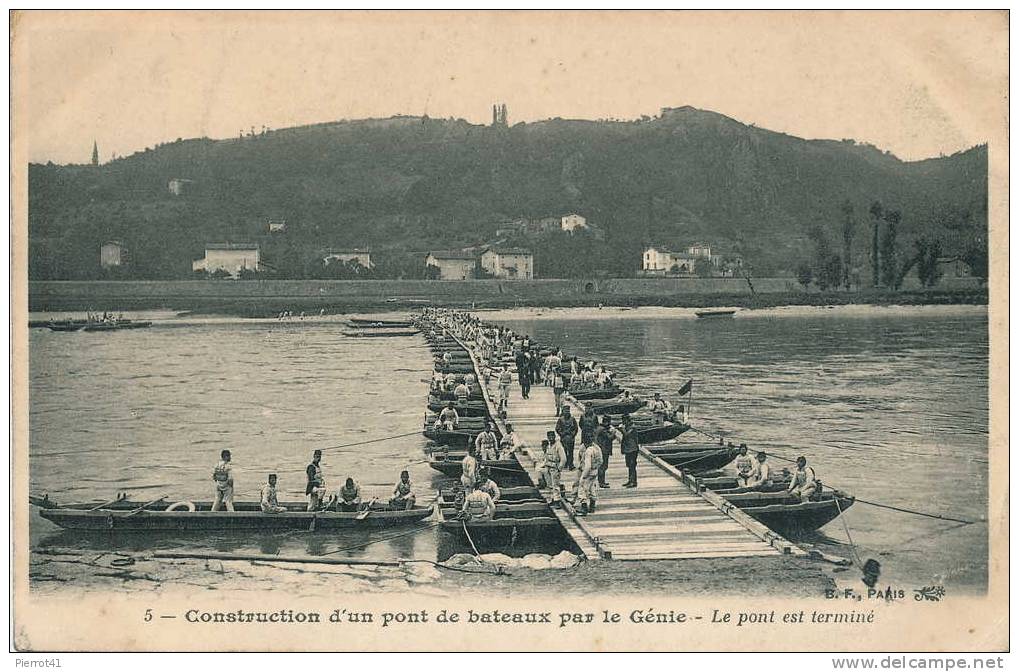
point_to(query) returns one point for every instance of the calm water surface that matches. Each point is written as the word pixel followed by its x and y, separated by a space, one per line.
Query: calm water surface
pixel 891 406
pixel 887 404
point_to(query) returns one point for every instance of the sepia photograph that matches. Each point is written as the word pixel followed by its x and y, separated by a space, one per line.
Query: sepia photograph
pixel 509 331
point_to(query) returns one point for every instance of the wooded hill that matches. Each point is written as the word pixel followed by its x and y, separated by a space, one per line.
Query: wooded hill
pixel 408 184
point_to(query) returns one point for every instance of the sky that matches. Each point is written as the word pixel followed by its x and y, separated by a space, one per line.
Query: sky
pixel 917 84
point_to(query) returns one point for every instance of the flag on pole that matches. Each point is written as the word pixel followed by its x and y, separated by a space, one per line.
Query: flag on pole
pixel 687 388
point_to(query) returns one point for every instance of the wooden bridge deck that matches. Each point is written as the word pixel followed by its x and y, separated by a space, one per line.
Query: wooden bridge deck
pixel 662 518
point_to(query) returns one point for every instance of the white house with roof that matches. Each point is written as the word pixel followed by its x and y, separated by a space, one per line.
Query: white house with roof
pixel 229 257
pixel 661 261
pixel 573 222
pixel 362 257
pixel 511 263
pixel 453 264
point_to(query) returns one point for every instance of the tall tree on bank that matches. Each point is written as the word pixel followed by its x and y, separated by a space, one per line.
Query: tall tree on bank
pixel 889 250
pixel 848 233
pixel 928 251
pixel 827 263
pixel 876 214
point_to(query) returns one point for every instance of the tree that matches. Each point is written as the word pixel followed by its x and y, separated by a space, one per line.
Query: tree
pixel 703 268
pixel 827 264
pixel 876 214
pixel 804 274
pixel 975 257
pixel 889 253
pixel 432 272
pixel 221 274
pixel 848 233
pixel 927 254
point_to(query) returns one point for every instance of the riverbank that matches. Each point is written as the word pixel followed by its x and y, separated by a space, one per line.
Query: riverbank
pixel 268 298
pixel 65 571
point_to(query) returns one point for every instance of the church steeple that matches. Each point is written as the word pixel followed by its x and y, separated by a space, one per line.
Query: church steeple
pixel 95 153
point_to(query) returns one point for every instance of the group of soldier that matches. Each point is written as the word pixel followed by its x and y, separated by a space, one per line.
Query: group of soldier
pixel 346 499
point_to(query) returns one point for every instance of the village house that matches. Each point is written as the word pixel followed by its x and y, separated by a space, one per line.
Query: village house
pixel 453 264
pixel 511 263
pixel 573 222
pixel 112 253
pixel 362 257
pixel 661 261
pixel 229 257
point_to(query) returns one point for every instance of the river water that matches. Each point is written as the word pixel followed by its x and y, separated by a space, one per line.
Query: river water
pixel 888 404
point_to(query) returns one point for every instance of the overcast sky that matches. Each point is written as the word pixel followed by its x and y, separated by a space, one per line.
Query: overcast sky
pixel 917 84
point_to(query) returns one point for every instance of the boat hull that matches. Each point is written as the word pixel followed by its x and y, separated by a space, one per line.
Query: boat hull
pixel 120 520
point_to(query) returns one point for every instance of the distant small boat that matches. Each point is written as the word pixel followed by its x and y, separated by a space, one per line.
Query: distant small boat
pixel 715 313
pixel 64 326
pixel 381 324
pixel 380 333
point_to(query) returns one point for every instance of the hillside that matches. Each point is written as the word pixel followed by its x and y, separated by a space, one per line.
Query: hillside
pixel 407 184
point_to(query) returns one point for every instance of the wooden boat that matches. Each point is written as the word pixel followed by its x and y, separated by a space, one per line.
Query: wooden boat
pixel 695 458
pixel 714 313
pixel 458 438
pixel 57 326
pixel 450 465
pixel 468 409
pixel 582 394
pixel 616 405
pixel 511 523
pixel 454 367
pixel 381 323
pixel 125 515
pixel 380 333
pixel 789 516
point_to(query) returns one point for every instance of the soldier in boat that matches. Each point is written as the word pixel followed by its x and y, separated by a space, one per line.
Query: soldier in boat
pixel 762 471
pixel 804 483
pixel 402 497
pixel 469 468
pixel 449 418
pixel 268 498
pixel 478 506
pixel 744 467
pixel 316 488
pixel 661 409
pixel 552 461
pixel 487 484
pixel 486 445
pixel 348 498
pixel 223 475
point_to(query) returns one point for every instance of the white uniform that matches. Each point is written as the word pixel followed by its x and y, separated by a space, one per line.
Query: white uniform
pixel 223 475
pixel 744 470
pixel 589 473
pixel 469 466
pixel 553 460
pixel 268 500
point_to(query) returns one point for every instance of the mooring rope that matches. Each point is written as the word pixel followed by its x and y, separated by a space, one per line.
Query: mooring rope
pixel 379 440
pixel 477 553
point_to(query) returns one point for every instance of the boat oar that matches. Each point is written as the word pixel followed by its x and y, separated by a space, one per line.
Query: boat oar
pixel 120 496
pixel 146 504
pixel 367 510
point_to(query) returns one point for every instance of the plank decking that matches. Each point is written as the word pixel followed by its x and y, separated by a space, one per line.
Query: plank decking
pixel 663 518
